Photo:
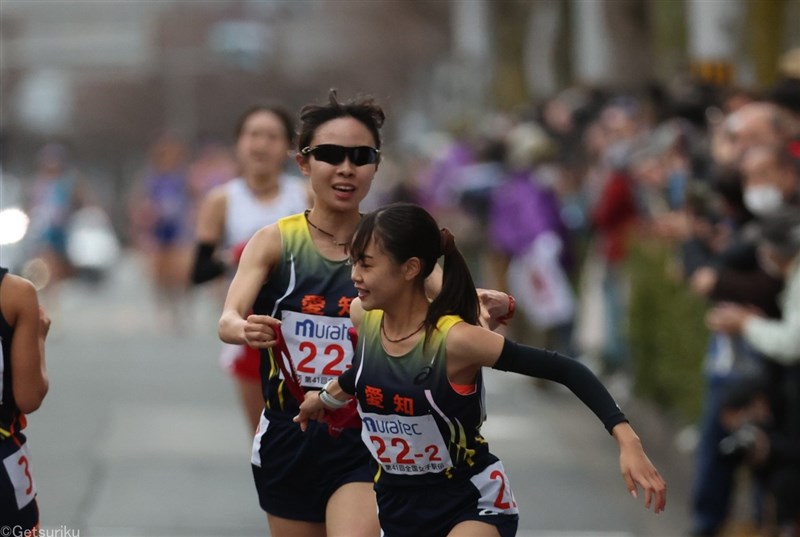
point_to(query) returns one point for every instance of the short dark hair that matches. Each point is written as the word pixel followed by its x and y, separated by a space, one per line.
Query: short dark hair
pixel 277 110
pixel 362 108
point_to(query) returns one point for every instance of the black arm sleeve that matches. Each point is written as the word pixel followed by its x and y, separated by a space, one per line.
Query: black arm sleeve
pixel 571 373
pixel 347 381
pixel 206 268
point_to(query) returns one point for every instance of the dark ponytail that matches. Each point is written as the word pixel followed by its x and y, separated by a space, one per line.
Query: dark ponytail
pixel 458 295
pixel 405 230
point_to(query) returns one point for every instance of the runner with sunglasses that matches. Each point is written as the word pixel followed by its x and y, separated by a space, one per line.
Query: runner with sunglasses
pixel 417 378
pixel 295 274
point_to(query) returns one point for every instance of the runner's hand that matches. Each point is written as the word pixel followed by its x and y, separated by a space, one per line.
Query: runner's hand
pixel 638 470
pixel 259 331
pixel 310 409
pixel 494 305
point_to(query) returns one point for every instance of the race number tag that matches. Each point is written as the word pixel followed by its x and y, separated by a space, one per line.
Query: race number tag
pixel 319 346
pixel 405 445
pixel 18 469
pixel 497 498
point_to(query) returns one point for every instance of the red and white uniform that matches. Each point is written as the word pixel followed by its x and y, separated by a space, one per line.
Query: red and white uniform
pixel 244 215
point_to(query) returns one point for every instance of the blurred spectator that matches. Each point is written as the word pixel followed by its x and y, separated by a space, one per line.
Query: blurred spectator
pixel 456 185
pixel 773 447
pixel 715 245
pixel 530 245
pixel 756 123
pixel 161 222
pixel 771 179
pixel 731 273
pixel 779 339
pixel 612 212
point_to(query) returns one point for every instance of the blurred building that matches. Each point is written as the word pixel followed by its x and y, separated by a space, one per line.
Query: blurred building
pixel 109 76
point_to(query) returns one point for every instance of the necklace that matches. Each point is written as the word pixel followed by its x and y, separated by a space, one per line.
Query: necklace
pixel 331 235
pixel 390 340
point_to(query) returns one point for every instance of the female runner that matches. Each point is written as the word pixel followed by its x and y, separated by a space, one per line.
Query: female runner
pixel 294 274
pixel 417 378
pixel 232 212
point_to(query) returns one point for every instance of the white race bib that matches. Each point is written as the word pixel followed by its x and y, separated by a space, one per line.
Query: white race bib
pixel 18 467
pixel 405 445
pixel 497 498
pixel 319 346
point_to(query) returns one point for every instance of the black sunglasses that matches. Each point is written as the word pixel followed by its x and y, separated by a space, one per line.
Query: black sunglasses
pixel 335 154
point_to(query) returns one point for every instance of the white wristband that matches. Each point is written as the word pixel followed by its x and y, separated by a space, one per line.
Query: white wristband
pixel 328 400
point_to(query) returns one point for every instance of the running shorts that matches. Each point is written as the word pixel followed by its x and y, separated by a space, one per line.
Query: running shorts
pixel 297 472
pixel 434 510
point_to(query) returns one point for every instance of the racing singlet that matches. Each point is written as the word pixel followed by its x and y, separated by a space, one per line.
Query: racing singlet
pixel 418 428
pixel 11 420
pixel 311 295
pixel 245 214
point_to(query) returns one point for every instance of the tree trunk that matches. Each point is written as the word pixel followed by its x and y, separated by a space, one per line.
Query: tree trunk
pixel 509 22
pixel 765 18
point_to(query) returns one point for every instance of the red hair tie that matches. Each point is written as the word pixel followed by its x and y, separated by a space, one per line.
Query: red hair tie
pixel 448 241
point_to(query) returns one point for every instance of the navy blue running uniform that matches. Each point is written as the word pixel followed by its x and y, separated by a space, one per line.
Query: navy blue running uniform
pixel 434 469
pixel 17 489
pixel 295 472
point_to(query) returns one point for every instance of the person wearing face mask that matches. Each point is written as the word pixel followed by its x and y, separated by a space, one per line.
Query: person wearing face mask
pixel 771 182
pixel 727 270
pixel 724 267
pixel 771 179
pixel 779 341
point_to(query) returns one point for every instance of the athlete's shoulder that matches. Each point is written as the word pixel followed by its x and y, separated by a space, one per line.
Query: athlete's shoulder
pixel 267 233
pixel 218 196
pixel 357 312
pixel 446 322
pixel 16 294
pixel 473 344
pixel 294 223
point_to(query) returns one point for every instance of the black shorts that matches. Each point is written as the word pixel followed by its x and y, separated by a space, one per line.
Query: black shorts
pixel 297 472
pixel 433 511
pixel 17 490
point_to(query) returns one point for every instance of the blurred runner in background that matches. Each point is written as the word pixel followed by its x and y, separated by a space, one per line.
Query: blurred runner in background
pixel 232 212
pixel 161 226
